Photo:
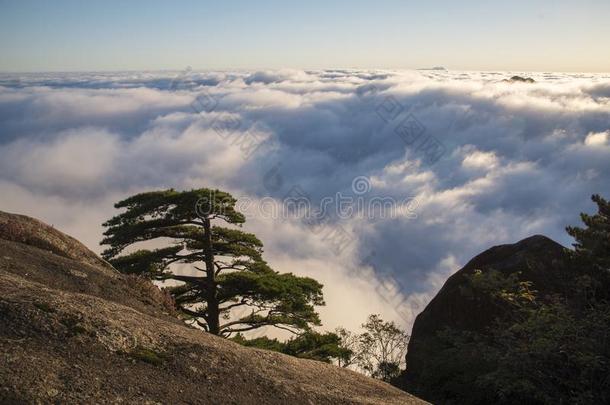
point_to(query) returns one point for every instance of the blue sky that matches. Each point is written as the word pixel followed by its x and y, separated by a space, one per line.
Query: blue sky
pixel 66 35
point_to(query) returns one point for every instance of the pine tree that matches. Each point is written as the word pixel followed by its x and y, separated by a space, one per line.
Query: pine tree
pixel 230 288
pixel 312 345
pixel 593 242
pixel 592 248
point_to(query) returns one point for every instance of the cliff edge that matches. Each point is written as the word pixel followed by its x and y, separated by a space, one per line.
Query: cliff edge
pixel 74 330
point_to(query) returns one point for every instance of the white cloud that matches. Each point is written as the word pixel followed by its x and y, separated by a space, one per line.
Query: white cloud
pixel 480 160
pixel 597 139
pixel 74 161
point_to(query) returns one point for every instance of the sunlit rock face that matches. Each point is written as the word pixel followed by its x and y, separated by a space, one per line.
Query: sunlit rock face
pixel 116 338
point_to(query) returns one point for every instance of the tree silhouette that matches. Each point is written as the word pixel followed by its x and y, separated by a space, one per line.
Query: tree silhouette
pixel 229 288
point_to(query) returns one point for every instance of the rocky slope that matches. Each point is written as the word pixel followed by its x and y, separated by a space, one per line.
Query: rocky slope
pixel 538 258
pixel 74 330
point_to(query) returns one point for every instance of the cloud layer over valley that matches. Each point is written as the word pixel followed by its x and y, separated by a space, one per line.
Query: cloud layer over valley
pixel 508 160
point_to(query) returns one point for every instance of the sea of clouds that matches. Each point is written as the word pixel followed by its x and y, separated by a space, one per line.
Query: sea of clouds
pixel 480 160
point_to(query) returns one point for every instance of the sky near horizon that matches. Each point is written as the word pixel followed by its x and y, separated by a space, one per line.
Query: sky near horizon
pixel 68 35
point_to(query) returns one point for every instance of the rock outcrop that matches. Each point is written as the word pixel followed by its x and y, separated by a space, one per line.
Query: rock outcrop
pixel 74 330
pixel 520 79
pixel 538 259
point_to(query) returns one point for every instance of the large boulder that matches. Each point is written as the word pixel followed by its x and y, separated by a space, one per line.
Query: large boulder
pixel 74 330
pixel 537 259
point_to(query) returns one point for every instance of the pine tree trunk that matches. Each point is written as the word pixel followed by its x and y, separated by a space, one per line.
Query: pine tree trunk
pixel 213 318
